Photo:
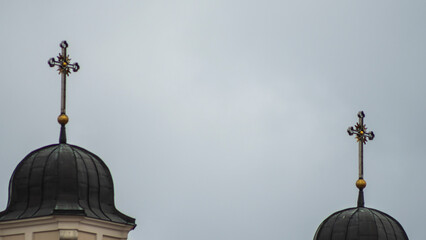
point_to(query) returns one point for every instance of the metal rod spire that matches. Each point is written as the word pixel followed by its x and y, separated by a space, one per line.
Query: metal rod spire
pixel 64 68
pixel 362 136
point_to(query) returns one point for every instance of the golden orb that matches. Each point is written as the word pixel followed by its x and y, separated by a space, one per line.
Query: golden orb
pixel 64 63
pixel 361 183
pixel 362 132
pixel 63 119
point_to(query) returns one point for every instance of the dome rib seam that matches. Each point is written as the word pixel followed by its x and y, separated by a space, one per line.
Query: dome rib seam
pixel 42 180
pixel 381 221
pixel 99 191
pixel 393 229
pixel 334 223
pixel 28 184
pixel 88 185
pixel 11 182
pixel 76 178
pixel 375 222
pixel 395 222
pixel 349 221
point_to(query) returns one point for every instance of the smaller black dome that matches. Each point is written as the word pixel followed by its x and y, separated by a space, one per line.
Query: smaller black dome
pixel 360 223
pixel 62 179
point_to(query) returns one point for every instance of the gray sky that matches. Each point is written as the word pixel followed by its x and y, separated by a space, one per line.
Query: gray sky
pixel 224 120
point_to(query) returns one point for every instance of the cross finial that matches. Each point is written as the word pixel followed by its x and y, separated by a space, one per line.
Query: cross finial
pixel 362 136
pixel 64 68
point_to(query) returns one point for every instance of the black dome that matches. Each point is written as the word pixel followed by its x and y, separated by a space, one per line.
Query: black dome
pixel 62 179
pixel 360 223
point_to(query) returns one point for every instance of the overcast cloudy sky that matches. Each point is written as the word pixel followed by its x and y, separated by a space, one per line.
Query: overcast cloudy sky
pixel 226 120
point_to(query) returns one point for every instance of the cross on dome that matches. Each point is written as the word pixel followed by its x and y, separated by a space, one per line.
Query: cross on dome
pixel 362 136
pixel 64 69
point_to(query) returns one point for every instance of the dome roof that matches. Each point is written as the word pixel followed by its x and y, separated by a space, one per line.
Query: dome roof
pixel 360 223
pixel 62 179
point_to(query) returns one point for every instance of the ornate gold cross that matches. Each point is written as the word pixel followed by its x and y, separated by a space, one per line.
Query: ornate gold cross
pixel 64 68
pixel 362 136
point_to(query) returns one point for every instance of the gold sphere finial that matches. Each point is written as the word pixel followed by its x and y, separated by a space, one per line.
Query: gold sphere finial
pixel 63 119
pixel 361 183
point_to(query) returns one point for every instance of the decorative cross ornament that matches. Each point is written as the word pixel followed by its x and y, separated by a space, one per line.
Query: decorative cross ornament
pixel 64 68
pixel 362 135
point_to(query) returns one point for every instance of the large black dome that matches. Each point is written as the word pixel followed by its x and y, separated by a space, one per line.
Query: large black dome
pixel 62 179
pixel 360 223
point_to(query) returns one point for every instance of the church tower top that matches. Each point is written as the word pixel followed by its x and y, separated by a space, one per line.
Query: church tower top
pixel 62 191
pixel 360 222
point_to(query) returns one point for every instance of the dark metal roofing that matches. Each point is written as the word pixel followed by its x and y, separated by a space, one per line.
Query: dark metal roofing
pixel 62 179
pixel 360 223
